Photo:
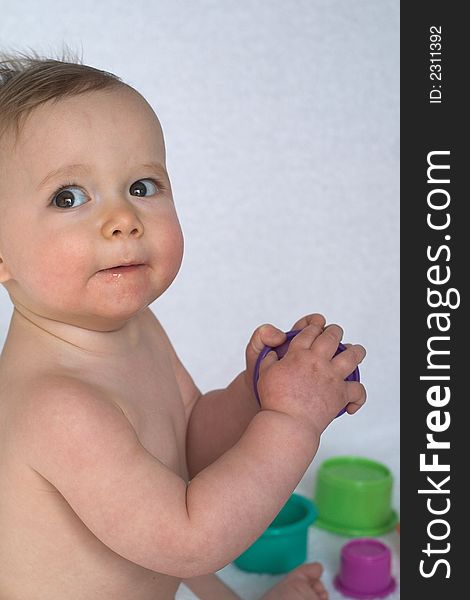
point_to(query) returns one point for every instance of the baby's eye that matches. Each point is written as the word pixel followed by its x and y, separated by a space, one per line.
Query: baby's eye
pixel 64 198
pixel 140 188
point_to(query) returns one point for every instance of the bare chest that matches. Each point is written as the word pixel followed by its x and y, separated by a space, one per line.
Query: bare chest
pixel 42 535
pixel 149 396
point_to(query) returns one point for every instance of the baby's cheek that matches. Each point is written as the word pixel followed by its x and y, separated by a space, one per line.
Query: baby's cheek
pixel 169 251
pixel 172 240
pixel 61 265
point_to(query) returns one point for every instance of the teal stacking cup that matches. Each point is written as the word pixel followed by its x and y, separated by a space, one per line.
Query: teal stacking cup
pixel 283 546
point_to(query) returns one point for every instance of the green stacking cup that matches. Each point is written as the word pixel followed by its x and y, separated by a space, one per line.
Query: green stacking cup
pixel 283 546
pixel 353 496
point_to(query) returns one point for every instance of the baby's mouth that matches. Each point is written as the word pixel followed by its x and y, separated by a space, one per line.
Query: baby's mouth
pixel 123 268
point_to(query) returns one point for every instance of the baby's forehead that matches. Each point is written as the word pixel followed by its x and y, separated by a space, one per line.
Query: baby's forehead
pixel 110 122
pixel 117 108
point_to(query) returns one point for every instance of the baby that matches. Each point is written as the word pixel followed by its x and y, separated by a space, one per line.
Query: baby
pixel 119 479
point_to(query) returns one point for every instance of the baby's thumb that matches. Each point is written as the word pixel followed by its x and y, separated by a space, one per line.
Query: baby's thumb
pixel 268 360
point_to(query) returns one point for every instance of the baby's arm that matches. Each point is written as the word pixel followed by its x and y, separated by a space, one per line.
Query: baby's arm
pixel 216 419
pixel 84 445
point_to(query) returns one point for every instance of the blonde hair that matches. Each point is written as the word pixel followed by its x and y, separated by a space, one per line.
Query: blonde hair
pixel 29 80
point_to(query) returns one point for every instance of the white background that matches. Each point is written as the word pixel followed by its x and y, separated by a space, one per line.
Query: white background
pixel 281 122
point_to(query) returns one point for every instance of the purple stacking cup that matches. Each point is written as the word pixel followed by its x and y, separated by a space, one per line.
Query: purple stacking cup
pixel 366 570
pixel 281 351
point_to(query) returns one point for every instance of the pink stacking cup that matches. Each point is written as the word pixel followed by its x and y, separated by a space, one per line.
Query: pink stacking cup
pixel 366 570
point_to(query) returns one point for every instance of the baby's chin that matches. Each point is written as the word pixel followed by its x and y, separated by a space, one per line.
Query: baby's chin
pixel 109 315
pixel 100 314
pixel 112 312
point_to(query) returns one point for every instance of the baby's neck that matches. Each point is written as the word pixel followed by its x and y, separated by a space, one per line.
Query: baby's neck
pixel 125 338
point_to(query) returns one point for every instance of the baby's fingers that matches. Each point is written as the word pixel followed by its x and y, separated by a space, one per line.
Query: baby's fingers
pixel 264 335
pixel 328 341
pixel 348 360
pixel 314 318
pixel 357 395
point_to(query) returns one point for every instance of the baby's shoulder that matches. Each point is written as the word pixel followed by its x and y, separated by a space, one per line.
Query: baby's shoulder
pixel 34 388
pixel 57 413
pixel 38 400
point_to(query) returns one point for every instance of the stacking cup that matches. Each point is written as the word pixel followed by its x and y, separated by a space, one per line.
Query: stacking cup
pixel 353 496
pixel 283 546
pixel 366 570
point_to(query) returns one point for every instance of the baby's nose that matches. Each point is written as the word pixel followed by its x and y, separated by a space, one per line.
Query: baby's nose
pixel 123 221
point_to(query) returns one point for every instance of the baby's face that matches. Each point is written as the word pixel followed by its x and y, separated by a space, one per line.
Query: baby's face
pixel 116 208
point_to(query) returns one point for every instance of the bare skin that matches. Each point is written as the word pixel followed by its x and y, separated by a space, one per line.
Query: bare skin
pixel 36 521
pixel 115 471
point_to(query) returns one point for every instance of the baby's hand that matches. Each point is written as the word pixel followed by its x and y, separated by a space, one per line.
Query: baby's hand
pixel 269 335
pixel 264 335
pixel 308 382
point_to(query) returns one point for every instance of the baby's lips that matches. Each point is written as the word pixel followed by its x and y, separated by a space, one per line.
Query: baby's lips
pixel 281 351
